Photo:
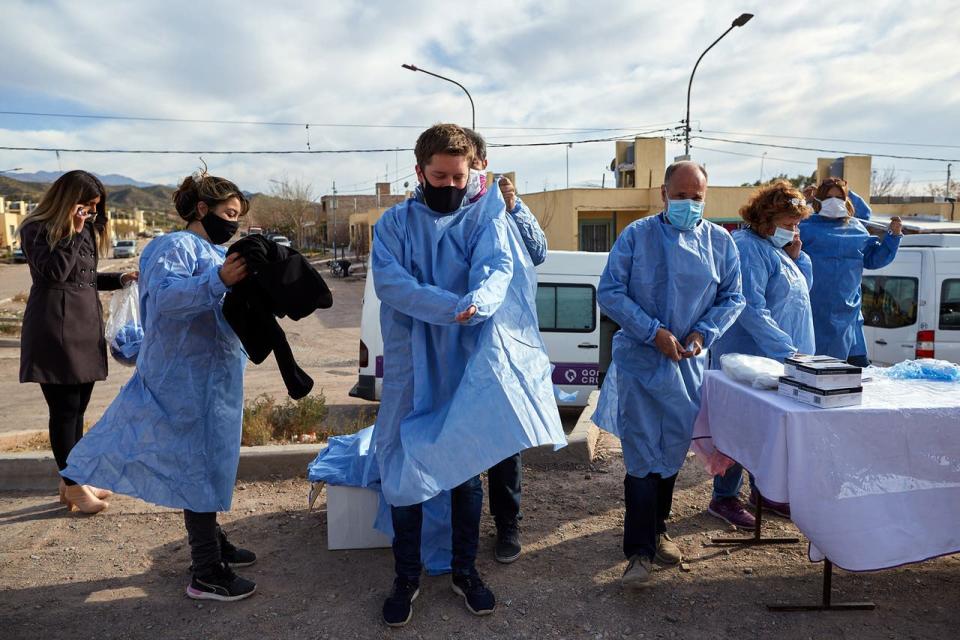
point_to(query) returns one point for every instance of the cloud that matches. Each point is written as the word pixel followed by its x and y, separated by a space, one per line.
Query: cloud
pixel 809 69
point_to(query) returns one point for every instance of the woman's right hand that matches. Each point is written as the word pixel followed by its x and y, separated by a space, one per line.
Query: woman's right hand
pixel 79 219
pixel 233 270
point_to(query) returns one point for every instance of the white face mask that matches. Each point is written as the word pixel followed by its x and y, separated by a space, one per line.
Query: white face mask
pixel 833 208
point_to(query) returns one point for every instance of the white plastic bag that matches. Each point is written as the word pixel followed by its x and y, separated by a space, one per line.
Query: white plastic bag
pixel 124 332
pixel 758 372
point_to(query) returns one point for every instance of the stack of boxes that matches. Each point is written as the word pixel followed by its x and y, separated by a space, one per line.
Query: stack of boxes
pixel 822 381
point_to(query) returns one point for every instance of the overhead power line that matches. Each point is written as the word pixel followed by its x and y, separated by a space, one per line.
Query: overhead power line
pixel 281 123
pixel 212 152
pixel 819 150
pixel 786 137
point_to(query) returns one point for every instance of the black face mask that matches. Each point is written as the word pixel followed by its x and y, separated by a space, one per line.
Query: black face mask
pixel 442 199
pixel 218 229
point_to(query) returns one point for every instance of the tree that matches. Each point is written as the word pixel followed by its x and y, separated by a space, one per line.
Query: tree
pixel 799 181
pixel 887 182
pixel 291 209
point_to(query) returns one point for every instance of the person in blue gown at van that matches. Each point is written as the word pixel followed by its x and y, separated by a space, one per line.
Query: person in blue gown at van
pixel 778 320
pixel 672 283
pixel 840 248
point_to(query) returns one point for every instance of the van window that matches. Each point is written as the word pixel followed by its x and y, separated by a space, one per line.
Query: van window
pixel 567 307
pixel 889 302
pixel 950 305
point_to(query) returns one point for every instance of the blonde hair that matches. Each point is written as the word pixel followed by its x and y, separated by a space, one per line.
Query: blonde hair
pixel 59 204
pixel 212 190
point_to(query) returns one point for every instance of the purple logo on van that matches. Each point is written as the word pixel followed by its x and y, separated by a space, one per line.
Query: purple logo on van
pixel 572 373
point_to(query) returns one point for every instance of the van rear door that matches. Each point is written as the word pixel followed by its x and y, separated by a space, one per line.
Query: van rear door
pixel 947 337
pixel 370 378
pixel 891 308
pixel 568 315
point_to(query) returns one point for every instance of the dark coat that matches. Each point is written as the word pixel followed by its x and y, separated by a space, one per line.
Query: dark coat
pixel 62 336
pixel 280 282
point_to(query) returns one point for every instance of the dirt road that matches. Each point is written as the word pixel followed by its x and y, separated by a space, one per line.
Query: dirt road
pixel 122 575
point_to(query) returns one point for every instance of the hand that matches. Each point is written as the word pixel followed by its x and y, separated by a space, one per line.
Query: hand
pixel 79 219
pixel 509 193
pixel 668 345
pixel 465 315
pixel 896 226
pixel 130 276
pixel 793 249
pixel 233 270
pixel 694 343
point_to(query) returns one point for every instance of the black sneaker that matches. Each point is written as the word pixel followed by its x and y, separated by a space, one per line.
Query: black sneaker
pixel 234 556
pixel 220 583
pixel 398 608
pixel 508 543
pixel 479 600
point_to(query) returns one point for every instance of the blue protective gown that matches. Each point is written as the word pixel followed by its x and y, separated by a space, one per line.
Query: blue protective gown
pixel 777 321
pixel 456 399
pixel 172 435
pixel 684 281
pixel 861 210
pixel 840 250
pixel 351 461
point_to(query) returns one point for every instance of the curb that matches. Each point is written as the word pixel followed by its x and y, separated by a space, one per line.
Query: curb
pixel 9 342
pixel 36 470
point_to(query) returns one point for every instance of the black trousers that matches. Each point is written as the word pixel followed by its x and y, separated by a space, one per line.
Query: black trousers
pixel 203 534
pixel 67 403
pixel 648 503
pixel 504 479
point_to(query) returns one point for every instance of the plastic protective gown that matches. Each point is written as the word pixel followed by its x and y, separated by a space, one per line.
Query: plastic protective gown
pixel 684 281
pixel 840 250
pixel 172 435
pixel 777 321
pixel 457 398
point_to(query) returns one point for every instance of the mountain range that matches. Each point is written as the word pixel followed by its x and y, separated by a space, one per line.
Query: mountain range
pixel 46 177
pixel 149 198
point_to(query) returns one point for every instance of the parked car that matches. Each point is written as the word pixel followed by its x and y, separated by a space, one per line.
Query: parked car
pixel 577 337
pixel 911 307
pixel 283 241
pixel 19 256
pixel 125 249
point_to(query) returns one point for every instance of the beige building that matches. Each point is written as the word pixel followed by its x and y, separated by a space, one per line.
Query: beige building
pixel 127 224
pixel 11 215
pixel 591 219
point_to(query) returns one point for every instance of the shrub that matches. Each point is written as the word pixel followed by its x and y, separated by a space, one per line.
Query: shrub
pixel 264 420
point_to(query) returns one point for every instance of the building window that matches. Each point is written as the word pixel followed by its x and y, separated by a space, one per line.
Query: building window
pixel 596 235
pixel 891 302
pixel 570 308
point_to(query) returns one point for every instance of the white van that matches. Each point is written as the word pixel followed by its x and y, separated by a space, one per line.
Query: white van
pixel 577 337
pixel 911 307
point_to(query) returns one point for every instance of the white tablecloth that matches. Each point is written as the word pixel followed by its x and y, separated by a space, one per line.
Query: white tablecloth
pixel 872 486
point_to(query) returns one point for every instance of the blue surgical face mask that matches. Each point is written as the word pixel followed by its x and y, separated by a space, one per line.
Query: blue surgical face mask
pixel 781 237
pixel 684 214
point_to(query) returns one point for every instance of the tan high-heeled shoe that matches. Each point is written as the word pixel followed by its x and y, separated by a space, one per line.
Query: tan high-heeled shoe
pixel 80 498
pixel 103 494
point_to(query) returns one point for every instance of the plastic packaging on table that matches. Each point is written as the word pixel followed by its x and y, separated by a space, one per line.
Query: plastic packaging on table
pixel 756 371
pixel 124 331
pixel 922 369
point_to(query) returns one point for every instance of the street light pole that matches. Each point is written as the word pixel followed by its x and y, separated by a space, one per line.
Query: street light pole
pixel 569 146
pixel 334 219
pixel 473 112
pixel 743 19
pixel 762 158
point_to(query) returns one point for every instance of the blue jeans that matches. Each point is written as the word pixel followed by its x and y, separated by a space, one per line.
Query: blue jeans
pixel 504 480
pixel 466 502
pixel 728 485
pixel 648 501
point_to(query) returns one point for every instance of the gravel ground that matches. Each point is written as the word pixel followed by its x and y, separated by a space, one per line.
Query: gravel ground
pixel 122 574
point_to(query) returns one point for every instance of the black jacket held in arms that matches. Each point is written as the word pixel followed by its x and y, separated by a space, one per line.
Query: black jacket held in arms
pixel 280 282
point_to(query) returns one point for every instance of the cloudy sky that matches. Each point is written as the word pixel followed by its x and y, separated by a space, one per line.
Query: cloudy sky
pixel 852 75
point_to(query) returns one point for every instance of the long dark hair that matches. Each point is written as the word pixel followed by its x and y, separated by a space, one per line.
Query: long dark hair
pixel 58 205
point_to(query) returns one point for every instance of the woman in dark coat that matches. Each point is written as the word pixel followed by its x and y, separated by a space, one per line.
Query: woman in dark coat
pixel 62 343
